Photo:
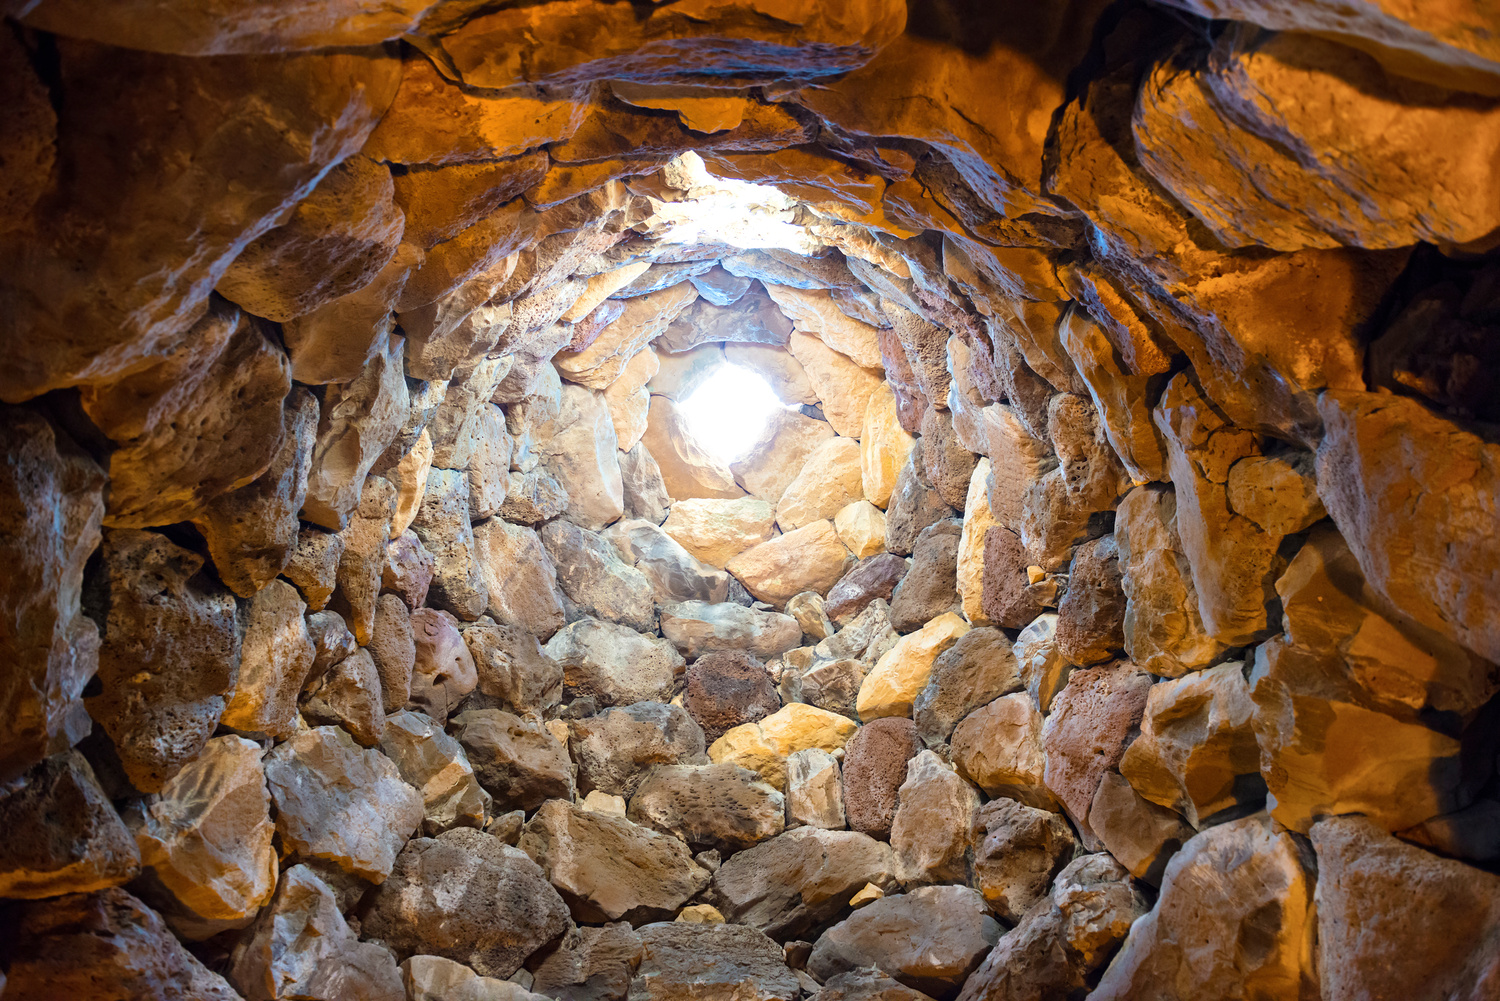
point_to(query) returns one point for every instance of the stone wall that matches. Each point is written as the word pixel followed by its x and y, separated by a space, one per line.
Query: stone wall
pixel 1112 613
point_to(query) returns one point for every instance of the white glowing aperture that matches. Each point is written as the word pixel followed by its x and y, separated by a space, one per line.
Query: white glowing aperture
pixel 729 410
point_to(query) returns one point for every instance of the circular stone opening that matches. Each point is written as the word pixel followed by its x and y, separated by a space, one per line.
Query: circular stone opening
pixel 729 410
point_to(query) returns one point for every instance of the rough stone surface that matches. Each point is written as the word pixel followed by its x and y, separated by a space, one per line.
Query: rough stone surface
pixel 717 806
pixel 874 577
pixel 105 945
pixel 1092 722
pixel 717 530
pixel 65 835
pixel 928 588
pixel 608 868
pixel 595 579
pixel 874 767
pixel 460 583
pixel 1235 877
pixel 274 661
pixel 482 877
pixel 779 454
pixel 518 578
pixel 512 668
pixel 814 790
pixel 810 558
pixel 935 814
pixel 899 676
pixel 726 689
pixel 929 939
pixel 828 481
pixel 516 760
pixel 614 664
pixel 443 671
pixel 616 748
pixel 800 879
pixel 977 669
pixel 434 764
pixel 168 658
pixel 674 573
pixel 680 960
pixel 999 747
pixel 340 802
pixel 696 628
pixel 1018 850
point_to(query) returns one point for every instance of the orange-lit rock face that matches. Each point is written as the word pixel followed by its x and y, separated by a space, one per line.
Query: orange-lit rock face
pixel 381 610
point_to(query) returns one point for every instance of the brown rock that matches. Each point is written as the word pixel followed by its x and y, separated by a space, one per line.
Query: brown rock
pixel 1061 509
pixel 340 802
pixel 251 532
pixel 874 768
pixel 616 748
pixel 517 761
pixel 613 663
pixel 1224 882
pixel 936 810
pixel 1379 449
pixel 275 658
pixel 914 505
pixel 1017 851
pixel 435 765
pixel 350 696
pixel 608 868
pixel 930 939
pixel 674 575
pixel 181 443
pixel 393 647
pixel 809 559
pixel 1197 752
pixel 582 454
pixel 1092 722
pixel 105 945
pixel 979 668
pixel 798 880
pixel 696 628
pixel 929 587
pixel 207 839
pixel 875 577
pixel 65 837
pixel 867 985
pixel 814 790
pixel 129 252
pixel 591 964
pixel 51 505
pixel 433 978
pixel 1091 616
pixel 363 558
pixel 1122 396
pixel 1137 832
pixel 301 945
pixel 1000 749
pixel 443 671
pixel 314 566
pixel 717 960
pixel 169 656
pixel 779 454
pixel 1368 884
pixel 1061 943
pixel 726 689
pixel 718 806
pixel 1008 597
pixel 519 578
pixel 512 668
pixel 903 671
pixel 1164 632
pixel 1233 560
pixel 595 580
pixel 360 419
pixel 602 361
pixel 945 461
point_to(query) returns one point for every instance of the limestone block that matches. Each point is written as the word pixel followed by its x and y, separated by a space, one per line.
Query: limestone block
pixel 697 627
pixel 644 489
pixel 978 520
pixel 844 387
pixel 716 530
pixel 512 668
pixel 814 790
pixel 603 361
pixel 930 939
pixel 936 810
pixel 362 560
pixel 884 446
pixel 275 658
pixel 433 978
pixel 435 764
pixel 861 527
pixel 779 454
pixel 810 558
pixel 798 880
pixel 314 566
pixel 519 578
pixel 613 663
pixel 1197 752
pixel 582 453
pixel 829 480
pixel 785 374
pixel 900 675
pixel 680 374
pixel 1091 616
pixel 1043 669
pixel 460 566
pixel 595 579
pixel 672 572
pixel 815 312
pixel 1137 832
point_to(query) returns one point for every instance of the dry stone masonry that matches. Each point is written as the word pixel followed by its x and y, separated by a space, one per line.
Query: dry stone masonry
pixel 1111 611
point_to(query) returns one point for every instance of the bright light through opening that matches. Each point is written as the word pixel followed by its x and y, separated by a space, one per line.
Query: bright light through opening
pixel 729 410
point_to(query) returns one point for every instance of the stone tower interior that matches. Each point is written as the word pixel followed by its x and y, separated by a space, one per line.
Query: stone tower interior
pixel 1108 607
